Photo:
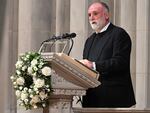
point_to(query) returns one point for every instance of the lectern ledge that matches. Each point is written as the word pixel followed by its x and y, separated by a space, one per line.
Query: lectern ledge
pixel 70 78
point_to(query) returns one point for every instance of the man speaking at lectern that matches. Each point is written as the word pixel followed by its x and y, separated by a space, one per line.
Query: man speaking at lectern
pixel 108 51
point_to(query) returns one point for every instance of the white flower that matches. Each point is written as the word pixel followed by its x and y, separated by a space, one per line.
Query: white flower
pixel 26 101
pixel 34 74
pixel 20 87
pixel 46 71
pixel 34 79
pixel 34 106
pixel 41 63
pixel 27 56
pixel 43 105
pixel 24 96
pixel 47 86
pixel 35 99
pixel 25 59
pixel 21 104
pixel 30 91
pixel 19 64
pixel 18 94
pixel 37 92
pixel 39 83
pixel 30 70
pixel 34 62
pixel 35 68
pixel 12 77
pixel 48 90
pixel 31 96
pixel 40 66
pixel 35 88
pixel 20 81
pixel 43 95
pixel 18 72
pixel 14 83
pixel 24 68
pixel 25 89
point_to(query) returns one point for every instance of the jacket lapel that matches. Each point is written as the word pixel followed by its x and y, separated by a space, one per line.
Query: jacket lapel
pixel 105 39
pixel 88 46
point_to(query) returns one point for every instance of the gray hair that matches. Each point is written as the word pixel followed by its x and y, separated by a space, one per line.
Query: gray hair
pixel 105 5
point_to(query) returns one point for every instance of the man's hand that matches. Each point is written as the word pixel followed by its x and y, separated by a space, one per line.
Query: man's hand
pixel 87 63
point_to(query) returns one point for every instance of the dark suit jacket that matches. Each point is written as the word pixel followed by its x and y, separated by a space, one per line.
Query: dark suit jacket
pixel 110 50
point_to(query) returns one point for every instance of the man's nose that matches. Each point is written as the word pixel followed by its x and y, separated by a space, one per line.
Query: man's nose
pixel 91 17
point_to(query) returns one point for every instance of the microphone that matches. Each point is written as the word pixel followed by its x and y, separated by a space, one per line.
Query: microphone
pixel 64 36
pixel 68 36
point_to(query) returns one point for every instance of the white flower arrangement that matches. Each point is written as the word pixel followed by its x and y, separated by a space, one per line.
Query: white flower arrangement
pixel 32 81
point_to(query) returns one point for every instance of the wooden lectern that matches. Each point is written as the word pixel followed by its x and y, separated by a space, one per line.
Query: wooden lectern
pixel 70 78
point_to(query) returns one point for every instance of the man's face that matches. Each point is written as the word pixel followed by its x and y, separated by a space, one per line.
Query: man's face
pixel 97 16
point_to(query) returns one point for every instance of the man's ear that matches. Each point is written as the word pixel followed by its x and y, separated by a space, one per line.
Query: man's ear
pixel 107 15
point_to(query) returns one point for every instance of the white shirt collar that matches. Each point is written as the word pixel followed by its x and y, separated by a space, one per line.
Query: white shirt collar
pixel 104 28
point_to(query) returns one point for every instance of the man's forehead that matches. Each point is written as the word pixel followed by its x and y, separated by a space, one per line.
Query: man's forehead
pixel 95 7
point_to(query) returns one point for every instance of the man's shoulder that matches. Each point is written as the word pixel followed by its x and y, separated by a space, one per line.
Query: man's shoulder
pixel 118 29
pixel 119 32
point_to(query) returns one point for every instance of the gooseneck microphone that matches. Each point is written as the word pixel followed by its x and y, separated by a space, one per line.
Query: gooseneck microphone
pixel 64 36
pixel 67 36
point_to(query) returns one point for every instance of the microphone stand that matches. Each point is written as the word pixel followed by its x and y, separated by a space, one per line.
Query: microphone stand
pixel 72 43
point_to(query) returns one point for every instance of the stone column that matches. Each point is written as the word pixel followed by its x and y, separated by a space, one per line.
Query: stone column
pixel 62 16
pixel 79 25
pixel 142 54
pixel 62 22
pixel 125 16
pixel 148 35
pixel 36 24
pixel 128 12
pixel 8 53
